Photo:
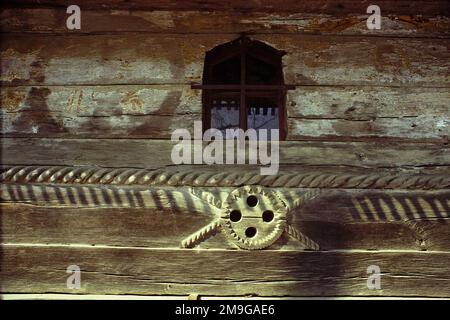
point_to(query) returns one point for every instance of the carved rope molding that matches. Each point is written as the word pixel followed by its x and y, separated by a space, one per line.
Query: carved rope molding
pixel 229 178
pixel 85 187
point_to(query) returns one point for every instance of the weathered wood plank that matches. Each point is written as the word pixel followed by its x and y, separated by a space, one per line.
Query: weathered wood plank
pixel 337 219
pixel 155 111
pixel 426 128
pixel 154 126
pixel 383 61
pixel 365 103
pixel 37 269
pixel 159 59
pixel 130 111
pixel 142 227
pixel 424 7
pixel 371 112
pixel 85 101
pixel 45 20
pixel 141 153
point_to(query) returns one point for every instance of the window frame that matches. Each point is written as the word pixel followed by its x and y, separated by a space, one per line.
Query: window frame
pixel 244 46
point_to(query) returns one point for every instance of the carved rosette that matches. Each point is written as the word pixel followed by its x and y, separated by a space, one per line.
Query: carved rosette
pixel 253 217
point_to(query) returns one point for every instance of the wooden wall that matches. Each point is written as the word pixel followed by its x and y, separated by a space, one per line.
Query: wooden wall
pixel 86 119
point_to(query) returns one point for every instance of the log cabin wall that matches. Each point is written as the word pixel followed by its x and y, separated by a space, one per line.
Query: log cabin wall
pixel 87 178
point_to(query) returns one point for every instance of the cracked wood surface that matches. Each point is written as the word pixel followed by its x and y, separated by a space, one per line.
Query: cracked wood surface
pixel 131 270
pixel 163 217
pixel 335 7
pixel 325 113
pixel 178 59
pixel 52 20
pixel 98 152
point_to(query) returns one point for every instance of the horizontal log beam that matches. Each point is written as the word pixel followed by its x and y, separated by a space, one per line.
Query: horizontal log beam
pixel 141 153
pixel 178 59
pixel 155 111
pixel 164 217
pixel 115 270
pixel 52 21
pixel 425 7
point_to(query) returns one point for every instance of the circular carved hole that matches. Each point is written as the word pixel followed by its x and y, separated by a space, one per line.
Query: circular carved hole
pixel 252 201
pixel 267 216
pixel 250 232
pixel 235 215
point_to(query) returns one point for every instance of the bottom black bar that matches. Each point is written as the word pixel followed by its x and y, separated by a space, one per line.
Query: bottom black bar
pixel 223 309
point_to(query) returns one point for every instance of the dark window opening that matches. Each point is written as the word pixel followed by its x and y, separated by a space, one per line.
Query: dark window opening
pixel 260 72
pixel 227 72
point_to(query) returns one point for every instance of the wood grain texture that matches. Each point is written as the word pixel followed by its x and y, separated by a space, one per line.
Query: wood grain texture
pixel 46 20
pixel 162 59
pixel 329 113
pixel 37 269
pixel 155 111
pixel 428 128
pixel 365 103
pixel 163 217
pixel 141 153
pixel 90 112
pixel 336 7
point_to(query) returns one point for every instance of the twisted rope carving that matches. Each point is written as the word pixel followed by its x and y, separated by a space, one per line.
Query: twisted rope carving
pixel 201 235
pixel 125 176
pixel 307 242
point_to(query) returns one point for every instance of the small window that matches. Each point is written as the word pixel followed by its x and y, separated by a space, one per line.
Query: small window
pixel 243 87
